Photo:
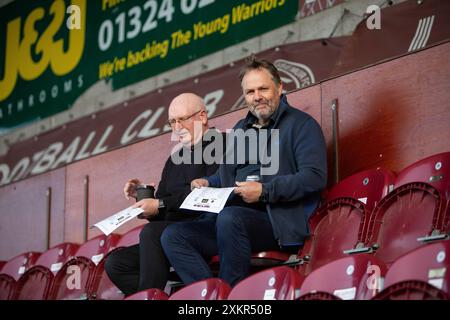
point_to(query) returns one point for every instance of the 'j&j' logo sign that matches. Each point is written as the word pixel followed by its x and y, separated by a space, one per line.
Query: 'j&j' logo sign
pixel 30 55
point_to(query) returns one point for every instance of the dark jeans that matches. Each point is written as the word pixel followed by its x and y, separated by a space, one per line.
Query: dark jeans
pixel 233 234
pixel 142 266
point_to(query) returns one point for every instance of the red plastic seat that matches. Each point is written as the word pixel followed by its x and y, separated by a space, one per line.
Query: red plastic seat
pixel 279 283
pixel 354 277
pixel 408 214
pixel 35 283
pixel 149 294
pixel 101 286
pixel 7 287
pixel 368 186
pixel 56 256
pixel 411 290
pixel 430 263
pixel 72 281
pixel 434 170
pixel 335 227
pixel 209 289
pixel 19 264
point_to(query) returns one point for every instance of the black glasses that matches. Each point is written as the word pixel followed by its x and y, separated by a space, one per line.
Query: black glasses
pixel 172 122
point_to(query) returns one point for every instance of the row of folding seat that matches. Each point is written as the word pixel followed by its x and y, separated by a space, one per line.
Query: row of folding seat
pixel 378 213
pixel 372 211
pixel 417 275
pixel 66 271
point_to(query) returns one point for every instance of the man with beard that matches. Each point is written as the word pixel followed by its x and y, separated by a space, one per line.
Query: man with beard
pixel 268 214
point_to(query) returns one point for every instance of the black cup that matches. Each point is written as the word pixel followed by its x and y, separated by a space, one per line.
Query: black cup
pixel 144 191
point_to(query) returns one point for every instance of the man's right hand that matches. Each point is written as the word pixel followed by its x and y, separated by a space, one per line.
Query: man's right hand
pixel 198 183
pixel 130 188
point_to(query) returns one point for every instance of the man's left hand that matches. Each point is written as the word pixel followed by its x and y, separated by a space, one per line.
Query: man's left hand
pixel 250 191
pixel 150 207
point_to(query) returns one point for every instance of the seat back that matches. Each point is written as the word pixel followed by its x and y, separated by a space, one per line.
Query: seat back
pixel 34 284
pixel 368 186
pixel 434 170
pixel 430 263
pixel 335 227
pixel 7 287
pixel 209 289
pixel 412 290
pixel 149 294
pixel 74 278
pixel 101 287
pixel 353 277
pixel 401 218
pixel 19 264
pixel 55 257
pixel 96 248
pixel 279 283
pixel 131 237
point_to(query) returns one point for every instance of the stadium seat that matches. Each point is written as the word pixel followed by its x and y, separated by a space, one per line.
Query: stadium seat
pixel 101 286
pixel 354 277
pixel 430 263
pixel 411 290
pixel 209 289
pixel 72 281
pixel 368 186
pixel 279 283
pixel 434 170
pixel 408 214
pixel 35 283
pixel 7 287
pixel 19 264
pixel 335 227
pixel 149 294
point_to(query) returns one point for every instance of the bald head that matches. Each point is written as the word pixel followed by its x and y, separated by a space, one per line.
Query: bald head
pixel 187 113
pixel 185 104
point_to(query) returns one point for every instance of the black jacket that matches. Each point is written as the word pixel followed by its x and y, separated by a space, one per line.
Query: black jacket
pixel 175 183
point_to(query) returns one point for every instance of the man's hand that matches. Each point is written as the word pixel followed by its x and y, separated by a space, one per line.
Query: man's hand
pixel 150 207
pixel 129 190
pixel 198 183
pixel 250 191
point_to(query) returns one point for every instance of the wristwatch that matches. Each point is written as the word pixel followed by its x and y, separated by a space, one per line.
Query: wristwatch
pixel 161 204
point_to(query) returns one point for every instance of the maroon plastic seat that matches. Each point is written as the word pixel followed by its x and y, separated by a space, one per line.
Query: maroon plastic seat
pixel 408 214
pixel 35 283
pixel 434 170
pixel 354 277
pixel 279 283
pixel 335 227
pixel 72 281
pixel 209 289
pixel 368 186
pixel 430 263
pixel 19 264
pixel 149 294
pixel 101 286
pixel 411 290
pixel 7 287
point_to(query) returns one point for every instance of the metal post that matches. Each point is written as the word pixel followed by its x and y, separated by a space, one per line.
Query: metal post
pixel 86 208
pixel 335 126
pixel 49 216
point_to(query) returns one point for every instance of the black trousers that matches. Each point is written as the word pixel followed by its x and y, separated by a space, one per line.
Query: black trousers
pixel 142 266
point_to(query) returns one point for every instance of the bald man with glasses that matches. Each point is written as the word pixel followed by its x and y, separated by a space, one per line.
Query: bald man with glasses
pixel 145 265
